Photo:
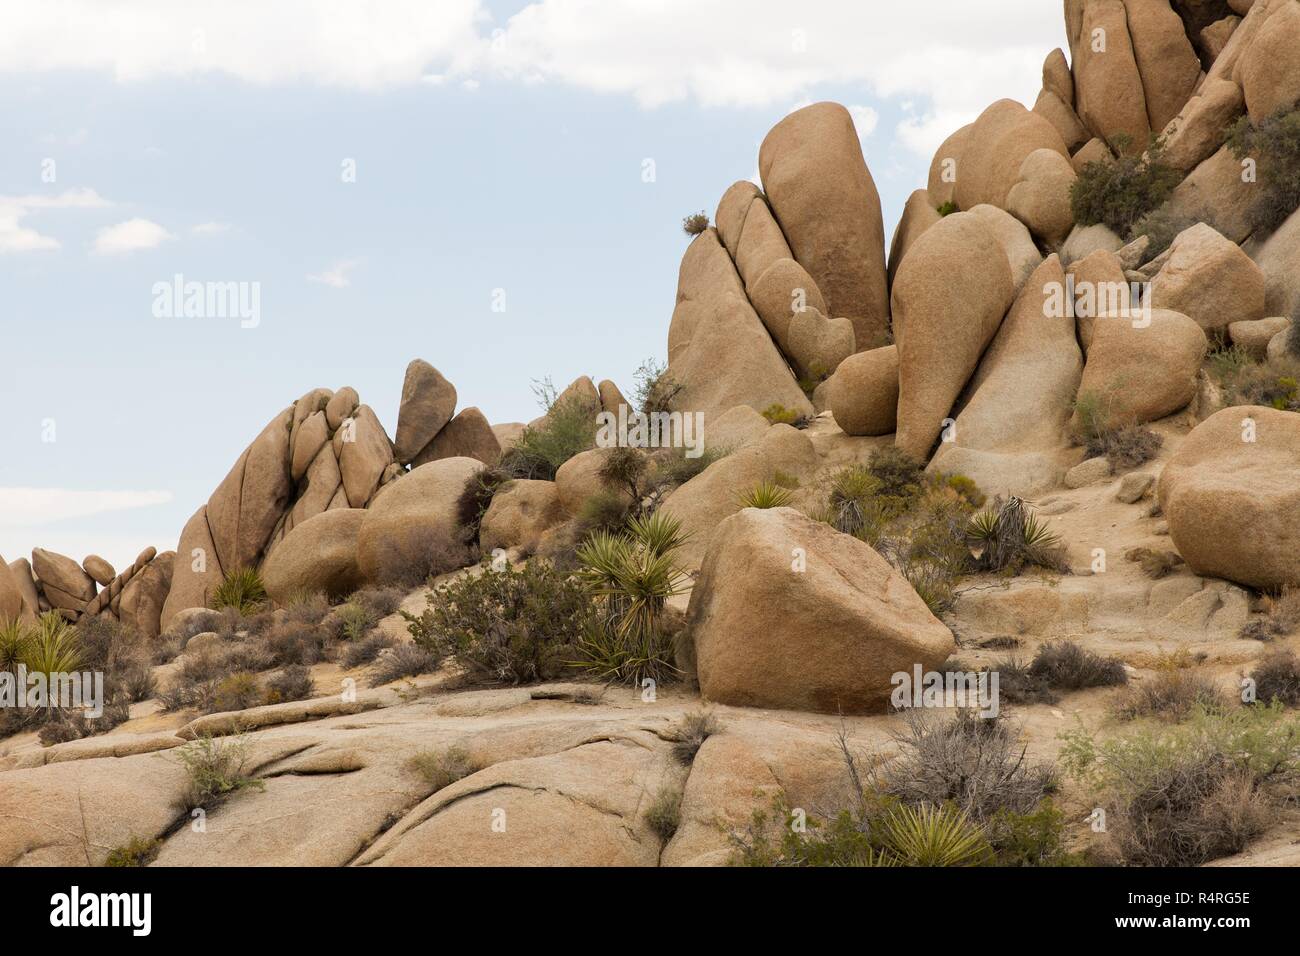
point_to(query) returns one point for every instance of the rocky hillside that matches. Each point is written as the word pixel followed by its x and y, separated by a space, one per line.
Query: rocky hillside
pixel 1046 442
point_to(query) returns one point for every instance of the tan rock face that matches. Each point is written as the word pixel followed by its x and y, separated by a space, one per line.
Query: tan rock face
pixel 364 451
pixel 1057 77
pixel 1231 499
pixel 783 287
pixel 826 202
pixel 578 479
pixel 318 556
pixel 250 500
pixel 1143 374
pixel 1254 336
pixel 1093 151
pixel 428 401
pixel 1041 198
pixel 1209 278
pixel 1270 67
pixel 1083 241
pixel 1215 192
pixel 1100 288
pixel 415 522
pixel 1010 436
pixel 863 393
pixel 99 569
pixel 828 638
pixel 145 594
pixel 998 143
pixel 307 441
pixel 468 435
pixel 611 397
pixel 1277 257
pixel 950 295
pixel 1200 128
pixel 197 571
pixel 714 494
pixel 1169 67
pixel 1017 244
pixel 1067 123
pixel 718 349
pixel 919 214
pixel 25 583
pixel 519 515
pixel 61 572
pixel 1111 99
pixel 12 604
pixel 736 428
pixel 945 168
pixel 1214 38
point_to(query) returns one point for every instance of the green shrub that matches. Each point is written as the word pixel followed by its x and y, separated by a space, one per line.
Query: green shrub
pixel 676 469
pixel 1275 145
pixel 664 815
pixel 52 646
pixel 948 208
pixel 241 589
pixel 138 851
pixel 476 498
pixel 352 622
pixel 631 577
pixel 14 637
pixel 1173 693
pixel 569 427
pixel 239 691
pixel 900 475
pixel 1187 794
pixel 442 768
pixel 511 625
pixel 766 494
pixel 216 768
pixel 695 223
pixel 1274 383
pixel 656 388
pixel 1121 192
pixel 1007 538
pixel 778 414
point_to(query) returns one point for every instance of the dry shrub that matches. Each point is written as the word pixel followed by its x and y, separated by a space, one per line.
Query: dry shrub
pixel 1281 617
pixel 691 732
pixel 1155 564
pixel 292 683
pixel 442 768
pixel 402 660
pixel 1277 677
pixel 1173 694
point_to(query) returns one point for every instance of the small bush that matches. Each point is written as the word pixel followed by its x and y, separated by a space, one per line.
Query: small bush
pixel 664 815
pixel 1173 694
pixel 239 691
pixel 900 475
pixel 442 768
pixel 1281 617
pixel 1274 383
pixel 1126 447
pixel 1121 192
pixel 677 469
pixel 1163 226
pixel 138 851
pixel 352 622
pixel 307 610
pixel 1275 144
pixel 294 642
pixel 365 650
pixel 656 388
pixel 1007 537
pixel 1155 564
pixel 401 661
pixel 217 768
pixel 1017 685
pixel 691 732
pixel 1277 677
pixel 948 208
pixel 1184 795
pixel 241 589
pixel 474 501
pixel 1066 665
pixel 605 511
pixel 292 683
pixel 568 428
pixel 695 223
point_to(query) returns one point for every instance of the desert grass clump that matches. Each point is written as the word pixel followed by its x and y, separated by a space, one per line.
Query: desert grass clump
pixel 138 851
pixel 1277 678
pixel 664 815
pixel 358 653
pixel 766 494
pixel 296 642
pixel 442 768
pixel 217 769
pixel 1184 795
pixel 401 661
pixel 631 576
pixel 568 427
pixel 238 691
pixel 1173 694
pixel 690 732
pixel 1120 192
pixel 1273 383
pixel 290 683
pixel 695 223
pixel 1155 564
pixel 509 625
pixel 778 414
pixel 1281 617
pixel 1067 666
pixel 307 609
pixel 351 622
pixel 241 589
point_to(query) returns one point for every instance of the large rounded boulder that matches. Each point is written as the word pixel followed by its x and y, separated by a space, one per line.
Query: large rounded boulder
pixel 1232 500
pixel 317 556
pixel 788 613
pixel 414 524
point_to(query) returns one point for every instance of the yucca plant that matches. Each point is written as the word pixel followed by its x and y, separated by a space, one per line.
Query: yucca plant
pixel 934 836
pixel 14 638
pixel 851 504
pixel 53 647
pixel 766 494
pixel 241 589
pixel 631 575
pixel 1006 537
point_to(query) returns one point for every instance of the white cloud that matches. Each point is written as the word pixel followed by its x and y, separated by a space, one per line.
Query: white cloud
pixel 210 228
pixel 15 237
pixel 130 236
pixel 865 120
pixel 33 507
pixel 336 276
pixel 334 42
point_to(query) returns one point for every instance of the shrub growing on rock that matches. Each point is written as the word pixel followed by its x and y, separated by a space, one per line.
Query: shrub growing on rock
pixel 217 768
pixel 1275 144
pixel 568 428
pixel 241 589
pixel 695 223
pixel 1120 192
pixel 138 851
pixel 656 388
pixel 664 815
pixel 442 768
pixel 689 734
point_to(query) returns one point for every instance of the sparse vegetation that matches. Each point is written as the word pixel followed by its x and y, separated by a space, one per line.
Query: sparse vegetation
pixel 947 208
pixel 1174 693
pixel 241 589
pixel 475 500
pixel 1187 794
pixel 442 768
pixel 138 851
pixel 766 494
pixel 569 427
pixel 1120 192
pixel 1059 665
pixel 1274 143
pixel 778 414
pixel 1277 678
pixel 1007 538
pixel 217 768
pixel 400 661
pixel 656 389
pixel 664 815
pixel 1281 617
pixel 1155 564
pixel 695 223
pixel 689 734
pixel 291 683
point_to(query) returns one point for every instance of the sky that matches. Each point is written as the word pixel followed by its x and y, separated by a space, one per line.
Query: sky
pixel 494 187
